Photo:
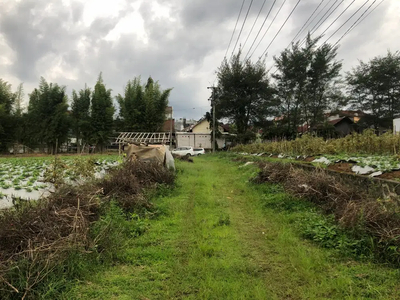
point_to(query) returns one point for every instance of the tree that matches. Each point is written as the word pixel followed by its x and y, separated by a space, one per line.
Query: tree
pixel 102 112
pixel 132 106
pixel 375 87
pixel 80 114
pixel 7 99
pixel 306 83
pixel 47 116
pixel 142 108
pixel 244 95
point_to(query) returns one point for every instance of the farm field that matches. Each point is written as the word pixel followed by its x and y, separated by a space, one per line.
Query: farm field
pixel 32 177
pixel 383 166
pixel 223 237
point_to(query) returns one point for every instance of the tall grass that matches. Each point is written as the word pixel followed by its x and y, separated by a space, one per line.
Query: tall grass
pixel 367 143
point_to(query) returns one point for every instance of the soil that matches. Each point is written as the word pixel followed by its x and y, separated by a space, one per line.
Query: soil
pixel 341 167
pixel 309 159
pixel 390 175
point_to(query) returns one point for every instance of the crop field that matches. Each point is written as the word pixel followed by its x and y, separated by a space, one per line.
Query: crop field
pixel 365 154
pixel 32 177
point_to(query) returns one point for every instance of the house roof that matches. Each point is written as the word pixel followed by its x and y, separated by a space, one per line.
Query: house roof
pixel 336 121
pixel 347 113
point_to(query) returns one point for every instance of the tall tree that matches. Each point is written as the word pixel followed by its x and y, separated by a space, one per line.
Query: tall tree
pixel 7 99
pixel 306 82
pixel 80 114
pixel 375 87
pixel 47 115
pixel 142 107
pixel 132 106
pixel 102 112
pixel 244 95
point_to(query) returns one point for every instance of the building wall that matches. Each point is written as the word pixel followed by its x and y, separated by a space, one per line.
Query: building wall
pixel 344 128
pixel 197 140
pixel 203 127
pixel 396 125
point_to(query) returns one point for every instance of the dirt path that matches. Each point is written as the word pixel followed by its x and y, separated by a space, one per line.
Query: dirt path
pixel 219 240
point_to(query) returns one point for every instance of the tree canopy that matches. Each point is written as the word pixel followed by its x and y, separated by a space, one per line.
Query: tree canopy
pixel 375 87
pixel 244 94
pixel 142 107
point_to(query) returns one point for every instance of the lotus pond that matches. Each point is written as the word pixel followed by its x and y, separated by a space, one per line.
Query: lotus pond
pixel 32 177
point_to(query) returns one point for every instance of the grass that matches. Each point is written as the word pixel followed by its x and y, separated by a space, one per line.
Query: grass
pixel 225 238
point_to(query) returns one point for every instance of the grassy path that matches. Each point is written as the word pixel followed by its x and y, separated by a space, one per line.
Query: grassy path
pixel 219 240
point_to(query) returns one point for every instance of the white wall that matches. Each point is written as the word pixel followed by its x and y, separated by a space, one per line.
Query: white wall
pixel 396 125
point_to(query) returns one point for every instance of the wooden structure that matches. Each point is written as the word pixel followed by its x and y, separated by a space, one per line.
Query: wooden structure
pixel 157 138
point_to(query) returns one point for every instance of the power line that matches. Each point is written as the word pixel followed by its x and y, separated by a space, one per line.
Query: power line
pixel 326 4
pixel 354 24
pixel 319 23
pixel 233 33
pixel 280 29
pixel 267 29
pixel 261 28
pixel 244 22
pixel 338 17
pixel 347 21
pixel 306 22
pixel 251 30
pixel 371 11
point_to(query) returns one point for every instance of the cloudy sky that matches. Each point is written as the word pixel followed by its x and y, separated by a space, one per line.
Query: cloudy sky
pixel 179 42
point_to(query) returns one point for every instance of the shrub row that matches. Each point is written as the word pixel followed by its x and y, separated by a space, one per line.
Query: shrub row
pixel 355 210
pixel 365 143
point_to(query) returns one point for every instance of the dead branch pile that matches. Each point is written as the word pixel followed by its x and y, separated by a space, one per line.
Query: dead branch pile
pixel 352 205
pixel 41 234
pixel 126 184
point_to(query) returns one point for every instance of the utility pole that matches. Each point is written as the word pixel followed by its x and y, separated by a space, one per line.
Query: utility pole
pixel 170 132
pixel 213 112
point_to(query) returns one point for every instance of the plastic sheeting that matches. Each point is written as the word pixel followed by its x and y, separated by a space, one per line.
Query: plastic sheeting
pixel 159 153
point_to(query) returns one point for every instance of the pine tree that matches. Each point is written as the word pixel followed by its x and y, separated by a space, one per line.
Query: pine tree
pixel 80 114
pixel 102 112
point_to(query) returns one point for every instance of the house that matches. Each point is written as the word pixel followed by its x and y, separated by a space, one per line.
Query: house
pixel 182 124
pixel 199 135
pixel 342 126
pixel 169 123
pixel 353 115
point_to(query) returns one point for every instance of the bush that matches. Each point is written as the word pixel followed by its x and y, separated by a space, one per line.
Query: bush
pixel 45 244
pixel 365 143
pixel 353 209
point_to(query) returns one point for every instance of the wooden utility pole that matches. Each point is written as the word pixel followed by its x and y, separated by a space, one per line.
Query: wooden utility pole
pixel 170 133
pixel 213 112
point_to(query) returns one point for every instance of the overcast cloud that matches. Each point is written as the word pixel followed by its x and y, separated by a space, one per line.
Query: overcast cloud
pixel 178 42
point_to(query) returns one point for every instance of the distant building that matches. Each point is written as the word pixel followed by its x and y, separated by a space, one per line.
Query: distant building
pixel 199 135
pixel 182 124
pixel 168 120
pixel 354 115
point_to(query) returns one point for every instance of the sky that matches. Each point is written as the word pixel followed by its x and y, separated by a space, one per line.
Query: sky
pixel 179 43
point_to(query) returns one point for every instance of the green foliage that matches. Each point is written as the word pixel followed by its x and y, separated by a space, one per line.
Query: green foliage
pixel 102 112
pixel 306 84
pixel 223 220
pixel 243 95
pixel 80 114
pixel 7 120
pixel 354 144
pixel 375 86
pixel 47 119
pixel 143 106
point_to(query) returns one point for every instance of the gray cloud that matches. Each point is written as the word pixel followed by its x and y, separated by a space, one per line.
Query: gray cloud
pixel 181 54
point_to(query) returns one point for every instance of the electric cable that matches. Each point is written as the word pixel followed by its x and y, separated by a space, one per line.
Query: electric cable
pixel 252 27
pixel 258 33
